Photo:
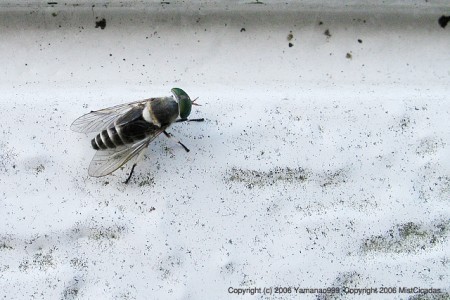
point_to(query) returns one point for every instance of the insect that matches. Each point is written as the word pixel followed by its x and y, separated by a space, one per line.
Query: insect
pixel 126 130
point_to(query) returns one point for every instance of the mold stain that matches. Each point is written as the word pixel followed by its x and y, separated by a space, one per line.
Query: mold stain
pixel 278 175
pixel 255 178
pixel 42 260
pixel 108 233
pixel 407 238
pixel 333 178
pixel 429 146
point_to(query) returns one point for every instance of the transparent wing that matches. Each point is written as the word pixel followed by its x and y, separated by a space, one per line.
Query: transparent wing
pixel 129 116
pixel 104 118
pixel 107 161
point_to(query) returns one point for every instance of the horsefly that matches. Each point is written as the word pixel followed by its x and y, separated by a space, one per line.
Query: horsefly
pixel 126 130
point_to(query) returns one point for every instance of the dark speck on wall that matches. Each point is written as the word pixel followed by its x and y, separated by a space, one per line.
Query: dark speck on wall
pixel 348 55
pixel 101 23
pixel 290 36
pixel 360 41
pixel 443 21
pixel 291 45
pixel 242 29
pixel 327 33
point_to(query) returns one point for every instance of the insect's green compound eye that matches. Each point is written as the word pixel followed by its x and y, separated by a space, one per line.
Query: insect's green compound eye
pixel 184 102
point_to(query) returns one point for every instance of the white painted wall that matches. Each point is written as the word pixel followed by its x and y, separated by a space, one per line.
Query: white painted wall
pixel 324 164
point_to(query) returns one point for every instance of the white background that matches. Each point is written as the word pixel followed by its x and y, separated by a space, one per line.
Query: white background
pixel 324 164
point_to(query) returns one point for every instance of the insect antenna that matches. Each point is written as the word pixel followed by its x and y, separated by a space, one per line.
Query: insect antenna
pixel 196 104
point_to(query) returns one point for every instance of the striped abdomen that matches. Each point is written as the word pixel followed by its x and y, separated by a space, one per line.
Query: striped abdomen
pixel 124 134
pixel 140 122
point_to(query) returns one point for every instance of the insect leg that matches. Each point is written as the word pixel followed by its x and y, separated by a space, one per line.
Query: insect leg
pixel 190 120
pixel 138 159
pixel 170 136
pixel 131 173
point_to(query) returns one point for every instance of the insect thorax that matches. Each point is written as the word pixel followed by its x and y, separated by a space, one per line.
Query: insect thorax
pixel 161 111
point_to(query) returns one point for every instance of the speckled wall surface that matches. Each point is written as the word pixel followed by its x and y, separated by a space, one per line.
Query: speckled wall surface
pixel 323 161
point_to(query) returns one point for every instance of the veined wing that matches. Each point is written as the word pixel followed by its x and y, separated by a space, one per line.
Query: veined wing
pixel 107 161
pixel 102 119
